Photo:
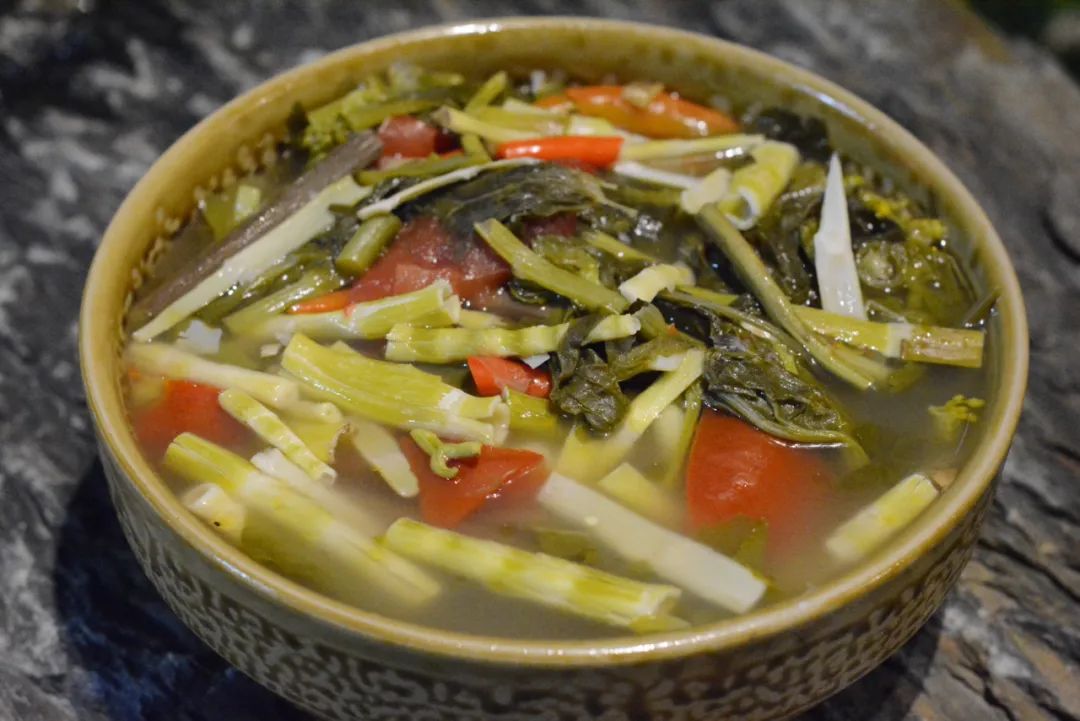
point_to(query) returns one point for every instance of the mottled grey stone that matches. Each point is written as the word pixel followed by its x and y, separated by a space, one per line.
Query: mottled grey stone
pixel 91 92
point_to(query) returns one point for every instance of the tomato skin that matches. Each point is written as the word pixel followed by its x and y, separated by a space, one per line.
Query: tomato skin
pixel 666 116
pixel 422 252
pixel 736 470
pixel 491 374
pixel 186 407
pixel 503 475
pixel 407 137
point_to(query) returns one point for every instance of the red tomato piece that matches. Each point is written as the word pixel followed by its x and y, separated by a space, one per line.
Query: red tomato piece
pixel 186 407
pixel 407 137
pixel 736 470
pixel 491 374
pixel 505 474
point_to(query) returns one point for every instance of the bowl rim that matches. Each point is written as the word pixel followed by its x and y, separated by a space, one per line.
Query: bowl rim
pixel 974 479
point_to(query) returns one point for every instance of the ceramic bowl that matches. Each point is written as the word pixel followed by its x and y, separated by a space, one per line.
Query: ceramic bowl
pixel 344 663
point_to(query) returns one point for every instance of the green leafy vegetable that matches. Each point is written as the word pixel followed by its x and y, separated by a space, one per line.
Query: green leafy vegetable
pixel 955 415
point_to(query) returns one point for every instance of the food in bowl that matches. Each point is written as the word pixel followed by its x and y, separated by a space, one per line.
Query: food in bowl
pixel 532 358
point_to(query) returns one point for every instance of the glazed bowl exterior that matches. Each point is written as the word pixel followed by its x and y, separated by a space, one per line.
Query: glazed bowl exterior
pixel 344 663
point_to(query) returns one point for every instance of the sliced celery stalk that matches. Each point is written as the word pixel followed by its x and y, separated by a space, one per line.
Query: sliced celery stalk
pixel 462 123
pixel 754 187
pixel 627 485
pixel 313 282
pixel 301 523
pixel 710 189
pixel 377 446
pixel 388 393
pixel 615 247
pixel 906 341
pixel 273 430
pixel 671 556
pixel 214 506
pixel 450 345
pixel 657 149
pixel 318 435
pixel 873 525
pixel 536 577
pixel 303 225
pixel 529 414
pixel 486 94
pixel 434 305
pixel 530 266
pixel 648 282
pixel 166 360
pixel 478 319
pixel 366 244
pixel 678 453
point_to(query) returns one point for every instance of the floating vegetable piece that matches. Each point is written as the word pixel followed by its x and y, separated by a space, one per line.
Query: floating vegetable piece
pixel 166 360
pixel 530 414
pixel 723 145
pixel 300 522
pixel 299 214
pixel 754 187
pixel 398 396
pixel 527 265
pixel 380 449
pixel 406 343
pixel 432 306
pixel 463 123
pixel 649 282
pixel 860 372
pixel 638 171
pixel 366 244
pixel 838 281
pixel 869 528
pixel 315 281
pixel 213 505
pixel 273 430
pixel 674 557
pixel 440 451
pixel 627 485
pixel 710 189
pixel 955 415
pixel 535 577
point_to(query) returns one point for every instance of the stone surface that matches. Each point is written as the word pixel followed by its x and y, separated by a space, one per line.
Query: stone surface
pixel 92 93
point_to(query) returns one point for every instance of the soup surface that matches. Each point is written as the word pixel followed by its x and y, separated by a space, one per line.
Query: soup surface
pixel 523 357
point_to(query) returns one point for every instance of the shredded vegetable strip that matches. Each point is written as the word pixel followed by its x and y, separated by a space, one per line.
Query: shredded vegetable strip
pixel 300 521
pixel 535 577
pixel 449 345
pixel 672 556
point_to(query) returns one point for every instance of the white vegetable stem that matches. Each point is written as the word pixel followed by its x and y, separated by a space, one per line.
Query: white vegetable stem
pixel 838 281
pixel 294 231
pixel 672 556
pixel 873 525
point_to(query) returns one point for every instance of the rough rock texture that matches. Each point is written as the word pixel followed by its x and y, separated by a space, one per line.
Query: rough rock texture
pixel 92 93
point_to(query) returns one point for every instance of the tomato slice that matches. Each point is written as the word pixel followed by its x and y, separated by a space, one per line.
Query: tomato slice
pixel 736 470
pixel 186 407
pixel 491 374
pixel 407 137
pixel 506 475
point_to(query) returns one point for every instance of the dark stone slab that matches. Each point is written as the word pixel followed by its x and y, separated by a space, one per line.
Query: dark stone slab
pixel 91 96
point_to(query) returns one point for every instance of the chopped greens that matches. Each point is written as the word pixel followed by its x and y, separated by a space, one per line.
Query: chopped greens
pixel 720 331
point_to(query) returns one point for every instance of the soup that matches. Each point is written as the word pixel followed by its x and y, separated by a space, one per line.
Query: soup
pixel 525 357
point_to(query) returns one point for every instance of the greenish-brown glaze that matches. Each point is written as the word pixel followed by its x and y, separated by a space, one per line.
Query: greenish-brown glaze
pixel 344 663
